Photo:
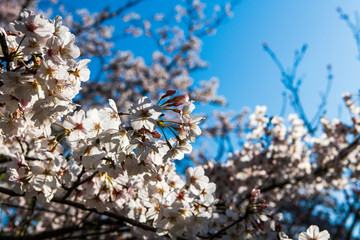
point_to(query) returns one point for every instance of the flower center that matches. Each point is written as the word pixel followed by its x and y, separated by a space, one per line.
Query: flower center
pixel 31 27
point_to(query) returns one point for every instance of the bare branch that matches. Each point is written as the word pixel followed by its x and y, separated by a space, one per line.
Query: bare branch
pixel 82 207
pixel 341 155
pixel 106 16
pixel 222 231
pixel 292 84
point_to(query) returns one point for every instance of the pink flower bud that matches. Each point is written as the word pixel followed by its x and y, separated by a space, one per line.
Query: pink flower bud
pixel 278 227
pixel 24 103
pixel 156 135
pixel 170 93
pixel 177 100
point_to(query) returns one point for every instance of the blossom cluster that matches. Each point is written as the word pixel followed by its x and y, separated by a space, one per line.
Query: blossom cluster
pixel 286 162
pixel 40 75
pixel 122 162
pixel 128 77
pixel 111 165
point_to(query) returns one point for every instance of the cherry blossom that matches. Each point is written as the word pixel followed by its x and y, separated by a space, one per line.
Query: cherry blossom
pixel 312 233
pixel 114 163
pixel 144 114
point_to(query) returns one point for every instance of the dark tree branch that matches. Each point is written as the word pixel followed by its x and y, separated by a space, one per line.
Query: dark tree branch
pixel 343 153
pixel 222 231
pixel 82 207
pixel 10 205
pixel 106 16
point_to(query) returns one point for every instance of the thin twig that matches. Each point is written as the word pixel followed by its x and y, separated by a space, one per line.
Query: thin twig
pixel 105 17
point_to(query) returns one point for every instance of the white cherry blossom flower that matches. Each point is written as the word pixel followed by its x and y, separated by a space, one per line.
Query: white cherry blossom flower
pixel 144 115
pixel 80 71
pixel 93 123
pixel 75 125
pixel 34 25
pixel 196 177
pixel 45 180
pixel 312 233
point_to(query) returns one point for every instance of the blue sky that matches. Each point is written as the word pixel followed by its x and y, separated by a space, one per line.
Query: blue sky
pixel 248 76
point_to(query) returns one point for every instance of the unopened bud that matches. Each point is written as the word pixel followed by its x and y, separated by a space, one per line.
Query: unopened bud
pixel 278 227
pixel 177 100
pixel 168 94
pixel 24 103
pixel 156 135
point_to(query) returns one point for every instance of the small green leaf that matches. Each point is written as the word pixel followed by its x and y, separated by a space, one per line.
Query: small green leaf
pixel 1 176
